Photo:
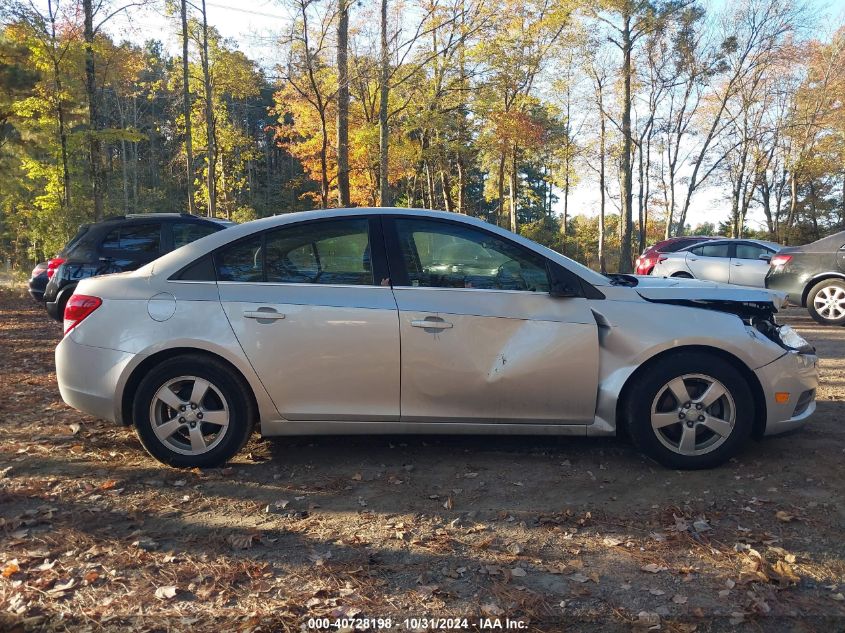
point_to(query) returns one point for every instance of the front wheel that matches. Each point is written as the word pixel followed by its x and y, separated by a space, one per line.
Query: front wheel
pixel 690 412
pixel 192 411
pixel 826 302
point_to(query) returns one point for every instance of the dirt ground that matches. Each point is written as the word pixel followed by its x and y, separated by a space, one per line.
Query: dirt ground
pixel 543 534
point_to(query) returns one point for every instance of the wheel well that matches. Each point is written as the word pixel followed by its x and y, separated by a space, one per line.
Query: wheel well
pixel 148 363
pixel 753 383
pixel 682 274
pixel 815 280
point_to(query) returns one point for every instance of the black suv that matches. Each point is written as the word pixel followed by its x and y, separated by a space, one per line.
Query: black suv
pixel 813 276
pixel 118 244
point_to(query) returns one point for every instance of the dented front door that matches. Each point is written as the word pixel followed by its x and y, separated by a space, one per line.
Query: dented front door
pixel 478 356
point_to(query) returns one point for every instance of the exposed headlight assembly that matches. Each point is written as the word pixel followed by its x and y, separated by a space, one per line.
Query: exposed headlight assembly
pixel 791 339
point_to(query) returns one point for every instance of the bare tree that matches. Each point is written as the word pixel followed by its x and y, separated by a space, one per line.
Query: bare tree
pixel 343 104
pixel 186 108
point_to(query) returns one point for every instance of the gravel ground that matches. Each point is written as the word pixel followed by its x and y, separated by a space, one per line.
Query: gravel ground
pixel 542 534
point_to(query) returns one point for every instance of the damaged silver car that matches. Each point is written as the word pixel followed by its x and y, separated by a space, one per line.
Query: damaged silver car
pixel 408 321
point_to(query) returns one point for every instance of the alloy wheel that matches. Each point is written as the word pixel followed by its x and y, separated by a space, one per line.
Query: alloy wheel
pixel 693 414
pixel 829 302
pixel 189 415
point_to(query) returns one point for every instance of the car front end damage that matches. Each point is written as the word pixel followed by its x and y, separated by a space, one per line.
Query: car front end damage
pixel 790 381
pixel 676 316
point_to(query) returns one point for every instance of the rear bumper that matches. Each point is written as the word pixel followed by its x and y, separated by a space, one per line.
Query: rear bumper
pixel 789 283
pixel 797 375
pixel 89 377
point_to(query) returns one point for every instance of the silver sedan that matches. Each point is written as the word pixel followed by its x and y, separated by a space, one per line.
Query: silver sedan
pixel 730 261
pixel 407 321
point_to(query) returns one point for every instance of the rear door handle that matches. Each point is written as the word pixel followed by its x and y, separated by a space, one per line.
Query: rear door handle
pixel 737 264
pixel 431 324
pixel 263 314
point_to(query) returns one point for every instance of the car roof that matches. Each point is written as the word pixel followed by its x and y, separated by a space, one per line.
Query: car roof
pixel 826 244
pixel 169 217
pixel 736 240
pixel 177 259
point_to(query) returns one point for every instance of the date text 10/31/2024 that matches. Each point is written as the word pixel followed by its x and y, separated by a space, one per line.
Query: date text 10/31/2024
pixel 417 623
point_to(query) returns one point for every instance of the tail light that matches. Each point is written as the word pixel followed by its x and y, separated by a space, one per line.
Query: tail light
pixel 78 308
pixel 53 264
pixel 780 260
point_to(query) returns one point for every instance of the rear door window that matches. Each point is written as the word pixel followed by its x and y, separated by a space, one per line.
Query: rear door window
pixel 187 232
pixel 712 250
pixel 751 251
pixel 139 239
pixel 242 261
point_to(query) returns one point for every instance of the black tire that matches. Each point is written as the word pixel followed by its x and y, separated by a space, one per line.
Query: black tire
pixel 647 385
pixel 827 285
pixel 227 387
pixel 683 275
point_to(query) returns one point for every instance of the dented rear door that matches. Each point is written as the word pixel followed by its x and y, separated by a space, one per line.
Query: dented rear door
pixel 478 355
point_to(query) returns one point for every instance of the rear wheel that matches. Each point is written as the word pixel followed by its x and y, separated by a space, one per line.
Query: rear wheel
pixel 826 302
pixel 192 411
pixel 690 412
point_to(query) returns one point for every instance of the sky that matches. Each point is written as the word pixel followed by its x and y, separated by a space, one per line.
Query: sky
pixel 256 25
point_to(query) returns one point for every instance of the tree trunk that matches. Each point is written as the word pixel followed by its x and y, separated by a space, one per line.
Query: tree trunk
pixel 186 110
pixel 500 212
pixel 461 183
pixel 563 227
pixel 602 263
pixel 640 207
pixel 94 145
pixel 625 258
pixel 123 160
pixel 211 150
pixel 324 167
pixel 793 204
pixel 342 105
pixel 513 188
pixel 384 187
pixel 60 110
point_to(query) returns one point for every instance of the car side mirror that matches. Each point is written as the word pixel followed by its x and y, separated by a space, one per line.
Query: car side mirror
pixel 766 258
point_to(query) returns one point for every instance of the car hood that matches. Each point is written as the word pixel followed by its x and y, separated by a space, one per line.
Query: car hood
pixel 704 293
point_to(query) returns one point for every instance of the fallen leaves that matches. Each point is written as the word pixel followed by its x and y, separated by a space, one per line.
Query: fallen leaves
pixel 784 516
pixel 167 592
pixel 242 541
pixel 12 567
pixel 653 568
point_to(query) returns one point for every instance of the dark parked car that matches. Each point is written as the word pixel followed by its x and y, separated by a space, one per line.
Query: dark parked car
pixel 38 281
pixel 813 276
pixel 118 244
pixel 645 262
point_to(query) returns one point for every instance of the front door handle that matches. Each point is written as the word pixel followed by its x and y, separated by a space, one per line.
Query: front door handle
pixel 431 323
pixel 263 314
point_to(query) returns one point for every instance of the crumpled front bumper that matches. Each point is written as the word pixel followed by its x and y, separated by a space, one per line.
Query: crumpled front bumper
pixel 795 374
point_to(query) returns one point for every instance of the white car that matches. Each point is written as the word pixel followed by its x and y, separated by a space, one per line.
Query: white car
pixel 408 321
pixel 729 261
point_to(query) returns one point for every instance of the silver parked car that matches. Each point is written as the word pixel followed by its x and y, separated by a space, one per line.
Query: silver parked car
pixel 407 321
pixel 731 261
